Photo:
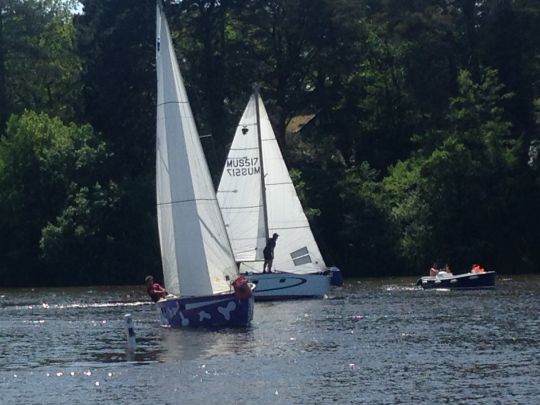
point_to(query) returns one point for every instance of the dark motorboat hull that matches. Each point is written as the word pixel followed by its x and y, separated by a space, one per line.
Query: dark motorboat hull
pixel 466 281
pixel 210 311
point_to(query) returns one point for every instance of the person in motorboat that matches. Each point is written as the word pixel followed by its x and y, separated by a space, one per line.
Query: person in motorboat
pixel 476 268
pixel 434 270
pixel 444 272
pixel 155 290
pixel 268 253
pixel 447 269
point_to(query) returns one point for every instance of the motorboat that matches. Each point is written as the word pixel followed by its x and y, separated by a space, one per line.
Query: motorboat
pixel 443 279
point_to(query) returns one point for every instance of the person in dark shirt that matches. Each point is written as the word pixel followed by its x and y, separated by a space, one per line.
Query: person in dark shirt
pixel 269 253
pixel 155 290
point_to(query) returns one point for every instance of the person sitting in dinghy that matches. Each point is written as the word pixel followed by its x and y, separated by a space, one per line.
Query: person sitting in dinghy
pixel 155 290
pixel 433 271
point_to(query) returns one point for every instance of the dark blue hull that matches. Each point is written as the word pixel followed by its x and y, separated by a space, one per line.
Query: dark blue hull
pixel 211 311
pixel 466 281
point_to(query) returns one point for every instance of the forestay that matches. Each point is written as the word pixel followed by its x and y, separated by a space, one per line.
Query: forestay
pixel 240 197
pixel 196 255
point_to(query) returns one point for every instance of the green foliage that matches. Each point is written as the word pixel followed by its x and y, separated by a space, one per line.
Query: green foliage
pixel 370 236
pixel 115 40
pixel 408 209
pixel 449 198
pixel 70 243
pixel 46 167
pixel 40 67
pixel 386 105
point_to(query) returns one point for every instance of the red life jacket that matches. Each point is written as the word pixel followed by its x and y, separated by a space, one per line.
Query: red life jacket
pixel 241 288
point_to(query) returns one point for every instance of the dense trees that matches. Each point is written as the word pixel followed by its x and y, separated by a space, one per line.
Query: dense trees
pixel 424 143
pixel 45 167
pixel 39 69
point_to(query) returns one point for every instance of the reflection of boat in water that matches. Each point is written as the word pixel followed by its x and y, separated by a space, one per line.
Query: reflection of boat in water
pixel 258 198
pixel 460 281
pixel 190 344
pixel 198 263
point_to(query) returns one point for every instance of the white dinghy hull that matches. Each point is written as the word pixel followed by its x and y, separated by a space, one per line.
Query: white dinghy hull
pixel 280 286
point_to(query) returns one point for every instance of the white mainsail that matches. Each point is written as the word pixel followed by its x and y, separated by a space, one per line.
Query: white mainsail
pixel 240 196
pixel 240 191
pixel 196 254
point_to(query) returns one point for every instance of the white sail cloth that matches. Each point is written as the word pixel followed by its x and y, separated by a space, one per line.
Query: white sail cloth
pixel 196 254
pixel 240 196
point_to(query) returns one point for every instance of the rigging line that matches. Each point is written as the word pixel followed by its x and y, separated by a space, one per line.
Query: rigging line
pixel 186 201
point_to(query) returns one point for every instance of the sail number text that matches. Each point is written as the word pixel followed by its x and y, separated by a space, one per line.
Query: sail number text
pixel 243 166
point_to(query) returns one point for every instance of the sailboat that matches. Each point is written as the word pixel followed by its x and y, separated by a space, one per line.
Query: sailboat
pixel 199 269
pixel 257 198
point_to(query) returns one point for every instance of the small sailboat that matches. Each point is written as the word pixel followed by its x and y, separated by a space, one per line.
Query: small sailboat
pixel 198 264
pixel 257 199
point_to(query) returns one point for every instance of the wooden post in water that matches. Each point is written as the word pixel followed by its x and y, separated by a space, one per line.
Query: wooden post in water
pixel 130 333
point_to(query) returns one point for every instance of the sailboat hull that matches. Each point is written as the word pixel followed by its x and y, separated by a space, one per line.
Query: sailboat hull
pixel 215 311
pixel 281 286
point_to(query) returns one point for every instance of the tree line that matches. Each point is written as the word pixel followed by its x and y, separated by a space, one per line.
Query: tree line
pixel 410 128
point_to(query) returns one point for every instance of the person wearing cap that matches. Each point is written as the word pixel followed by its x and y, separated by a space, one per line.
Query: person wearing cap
pixel 268 253
pixel 155 290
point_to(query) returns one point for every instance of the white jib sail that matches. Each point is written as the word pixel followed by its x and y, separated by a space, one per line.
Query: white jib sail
pixel 240 198
pixel 196 254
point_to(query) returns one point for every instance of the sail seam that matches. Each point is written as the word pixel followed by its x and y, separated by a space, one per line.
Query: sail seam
pixel 239 208
pixel 173 102
pixel 279 184
pixel 241 157
pixel 289 227
pixel 185 201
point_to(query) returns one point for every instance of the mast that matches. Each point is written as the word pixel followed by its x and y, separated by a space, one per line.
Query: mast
pixel 259 138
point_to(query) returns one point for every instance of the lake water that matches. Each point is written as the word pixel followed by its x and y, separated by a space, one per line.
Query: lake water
pixel 372 341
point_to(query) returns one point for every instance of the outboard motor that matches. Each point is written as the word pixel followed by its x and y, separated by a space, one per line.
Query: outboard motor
pixel 337 277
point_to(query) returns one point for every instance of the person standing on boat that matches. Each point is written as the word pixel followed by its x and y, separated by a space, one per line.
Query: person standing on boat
pixel 155 290
pixel 268 253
